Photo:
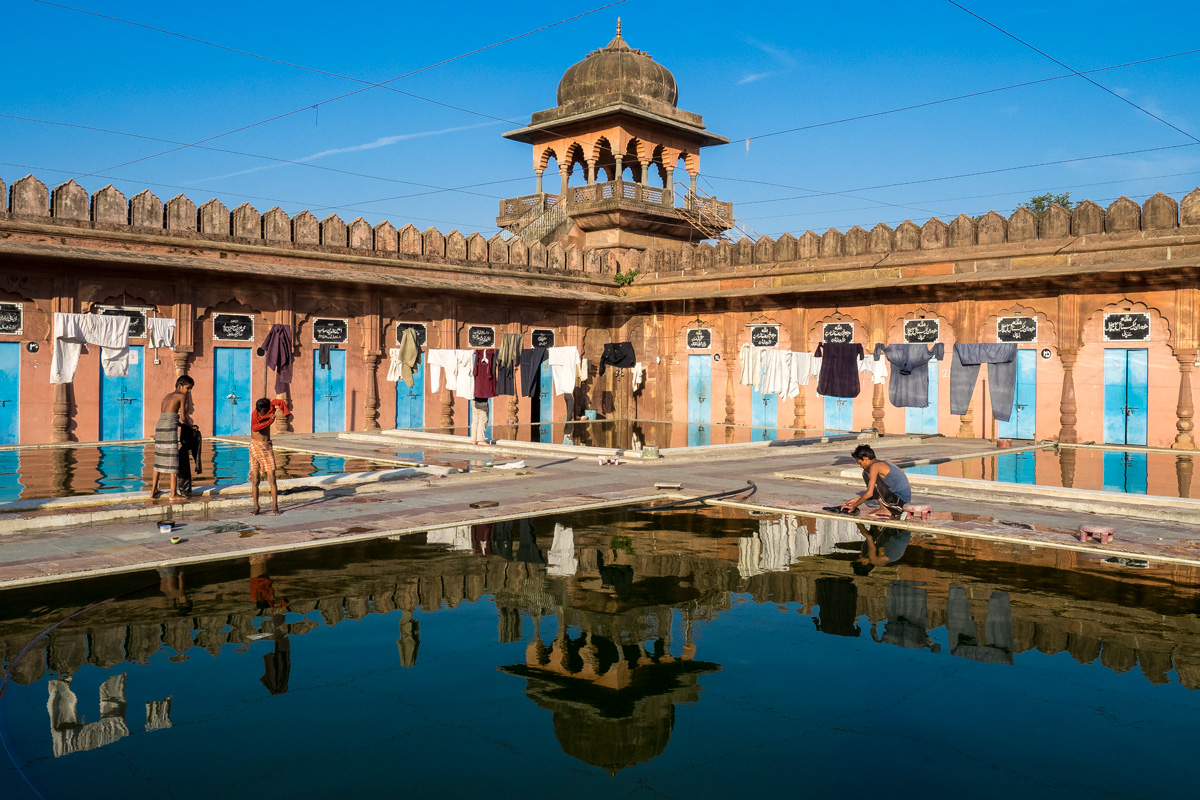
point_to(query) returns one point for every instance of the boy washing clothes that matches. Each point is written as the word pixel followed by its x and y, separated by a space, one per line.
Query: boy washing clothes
pixel 262 453
pixel 886 484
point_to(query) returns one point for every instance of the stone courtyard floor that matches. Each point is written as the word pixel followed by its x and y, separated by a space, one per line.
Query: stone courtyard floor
pixel 82 537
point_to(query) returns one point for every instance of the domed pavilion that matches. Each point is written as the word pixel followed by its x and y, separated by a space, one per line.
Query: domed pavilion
pixel 617 137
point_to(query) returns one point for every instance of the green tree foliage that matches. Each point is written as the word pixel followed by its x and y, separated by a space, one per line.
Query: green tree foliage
pixel 1041 202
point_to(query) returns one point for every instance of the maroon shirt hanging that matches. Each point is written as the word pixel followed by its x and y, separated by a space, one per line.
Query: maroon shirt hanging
pixel 485 373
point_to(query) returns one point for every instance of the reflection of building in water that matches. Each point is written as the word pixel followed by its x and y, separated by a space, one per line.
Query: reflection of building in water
pixel 69 734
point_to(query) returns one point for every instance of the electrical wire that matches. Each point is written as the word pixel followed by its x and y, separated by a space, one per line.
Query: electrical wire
pixel 967 96
pixel 280 62
pixel 309 106
pixel 1073 71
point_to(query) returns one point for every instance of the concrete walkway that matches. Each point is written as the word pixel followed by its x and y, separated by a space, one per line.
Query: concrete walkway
pixel 40 546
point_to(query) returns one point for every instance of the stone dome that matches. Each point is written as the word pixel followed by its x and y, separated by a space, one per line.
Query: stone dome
pixel 617 73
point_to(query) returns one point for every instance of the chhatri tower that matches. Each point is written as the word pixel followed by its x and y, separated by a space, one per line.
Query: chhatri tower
pixel 617 137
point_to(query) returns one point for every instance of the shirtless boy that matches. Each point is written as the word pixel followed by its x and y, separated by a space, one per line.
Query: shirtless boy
pixel 173 414
pixel 262 453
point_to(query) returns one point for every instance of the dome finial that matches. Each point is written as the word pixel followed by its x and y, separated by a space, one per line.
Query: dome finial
pixel 618 26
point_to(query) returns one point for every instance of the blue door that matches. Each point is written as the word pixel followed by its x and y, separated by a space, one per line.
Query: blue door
pixel 1126 391
pixel 232 402
pixel 1016 467
pixel 121 401
pixel 329 393
pixel 328 465
pixel 1125 472
pixel 410 400
pixel 764 416
pixel 10 386
pixel 839 414
pixel 925 420
pixel 1022 423
pixel 541 407
pixel 699 400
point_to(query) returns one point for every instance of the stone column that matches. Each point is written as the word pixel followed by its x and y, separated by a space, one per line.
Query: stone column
pixel 371 404
pixel 1183 409
pixel 670 185
pixel 447 408
pixel 1066 466
pixel 692 185
pixel 513 411
pixel 966 423
pixel 564 173
pixel 617 173
pixel 591 171
pixel 646 172
pixel 538 174
pixel 877 406
pixel 1183 475
pixel 60 422
pixel 730 389
pixel 1067 406
pixel 798 419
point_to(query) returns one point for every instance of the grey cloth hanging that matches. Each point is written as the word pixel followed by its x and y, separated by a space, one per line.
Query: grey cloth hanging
pixel 908 385
pixel 1002 372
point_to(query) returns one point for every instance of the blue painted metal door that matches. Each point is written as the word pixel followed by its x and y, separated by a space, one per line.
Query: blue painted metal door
pixel 925 420
pixel 541 406
pixel 764 415
pixel 1016 467
pixel 329 393
pixel 121 401
pixel 1126 395
pixel 10 393
pixel 1023 422
pixel 232 402
pixel 839 413
pixel 410 400
pixel 1125 472
pixel 699 400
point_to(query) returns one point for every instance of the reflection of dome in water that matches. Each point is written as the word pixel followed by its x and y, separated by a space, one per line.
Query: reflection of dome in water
pixel 618 73
pixel 615 729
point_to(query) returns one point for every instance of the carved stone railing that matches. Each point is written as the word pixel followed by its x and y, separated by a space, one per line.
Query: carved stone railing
pixel 513 208
pixel 579 197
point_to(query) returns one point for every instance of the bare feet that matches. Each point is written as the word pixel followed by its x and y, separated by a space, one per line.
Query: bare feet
pixel 276 511
pixel 255 512
pixel 177 498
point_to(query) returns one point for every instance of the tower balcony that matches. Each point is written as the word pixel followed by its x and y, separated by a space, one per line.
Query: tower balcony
pixel 626 206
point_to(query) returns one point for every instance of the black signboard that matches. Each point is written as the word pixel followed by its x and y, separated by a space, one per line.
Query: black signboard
pixel 137 319
pixel 835 332
pixel 418 329
pixel 699 338
pixel 922 331
pixel 764 335
pixel 233 327
pixel 330 331
pixel 542 337
pixel 12 318
pixel 1016 329
pixel 481 336
pixel 1126 327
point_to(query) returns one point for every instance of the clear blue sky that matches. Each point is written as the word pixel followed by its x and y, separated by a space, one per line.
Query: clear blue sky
pixel 749 68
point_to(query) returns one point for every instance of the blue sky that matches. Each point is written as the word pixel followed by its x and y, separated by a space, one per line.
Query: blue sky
pixel 750 70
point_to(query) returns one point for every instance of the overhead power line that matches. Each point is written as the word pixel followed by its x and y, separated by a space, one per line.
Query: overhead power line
pixel 368 87
pixel 1073 71
pixel 278 61
pixel 969 95
pixel 435 189
pixel 950 177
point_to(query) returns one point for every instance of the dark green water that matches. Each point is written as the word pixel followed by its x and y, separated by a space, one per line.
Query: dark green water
pixel 680 655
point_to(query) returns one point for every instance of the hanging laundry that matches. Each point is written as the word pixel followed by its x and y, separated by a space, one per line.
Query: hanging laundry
pixel 322 357
pixel 875 367
pixel 484 370
pixel 909 386
pixel 1002 372
pixel 561 559
pixel 393 373
pixel 440 361
pixel 638 376
pixel 617 354
pixel 408 356
pixel 750 357
pixel 506 378
pixel 801 372
pixel 160 332
pixel 531 369
pixel 73 331
pixel 564 364
pixel 510 350
pixel 278 349
pixel 777 372
pixel 464 374
pixel 581 371
pixel 839 369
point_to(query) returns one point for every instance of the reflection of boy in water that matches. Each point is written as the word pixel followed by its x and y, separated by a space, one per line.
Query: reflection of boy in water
pixel 170 583
pixel 881 547
pixel 262 588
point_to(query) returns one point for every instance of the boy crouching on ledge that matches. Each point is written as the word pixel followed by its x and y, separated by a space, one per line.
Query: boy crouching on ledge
pixel 262 453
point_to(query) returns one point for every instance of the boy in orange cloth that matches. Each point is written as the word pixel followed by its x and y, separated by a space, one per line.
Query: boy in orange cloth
pixel 262 453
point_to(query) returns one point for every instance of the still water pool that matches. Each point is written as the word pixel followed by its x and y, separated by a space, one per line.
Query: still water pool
pixel 679 655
